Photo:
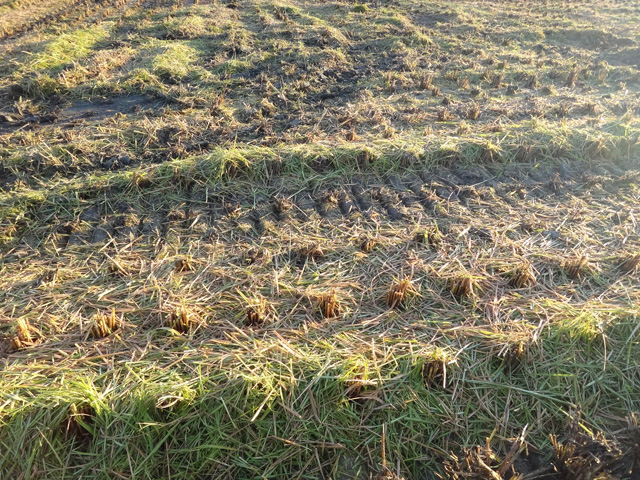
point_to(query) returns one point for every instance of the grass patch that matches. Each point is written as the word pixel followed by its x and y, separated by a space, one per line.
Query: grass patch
pixel 68 48
pixel 175 62
pixel 256 240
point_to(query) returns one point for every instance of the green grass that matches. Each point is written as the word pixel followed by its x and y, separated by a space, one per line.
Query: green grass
pixel 259 408
pixel 174 62
pixel 68 48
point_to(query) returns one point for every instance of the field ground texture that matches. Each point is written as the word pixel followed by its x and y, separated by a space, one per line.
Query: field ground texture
pixel 319 240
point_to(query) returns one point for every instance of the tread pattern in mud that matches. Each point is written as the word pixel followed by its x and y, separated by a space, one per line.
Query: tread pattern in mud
pixel 398 200
pixel 72 13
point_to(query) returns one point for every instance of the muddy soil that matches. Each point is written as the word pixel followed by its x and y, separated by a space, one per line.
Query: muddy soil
pixel 82 112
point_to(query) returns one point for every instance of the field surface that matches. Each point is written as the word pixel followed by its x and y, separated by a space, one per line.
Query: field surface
pixel 319 240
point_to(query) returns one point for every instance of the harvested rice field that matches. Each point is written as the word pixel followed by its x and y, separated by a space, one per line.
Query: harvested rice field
pixel 322 240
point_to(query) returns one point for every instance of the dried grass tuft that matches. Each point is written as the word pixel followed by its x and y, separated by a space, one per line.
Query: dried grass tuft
pixel 497 80
pixel 104 324
pixel 431 236
pixel 572 78
pixel 574 267
pixel 256 255
pixel 514 353
pixel 328 304
pixel 630 263
pixel 463 287
pixel 180 320
pixel 141 181
pixel 115 268
pixel 367 244
pixel 281 205
pixel 473 112
pixel 258 312
pixel 484 463
pixel 310 252
pixel 399 293
pixel 183 265
pixel 231 207
pixel 387 474
pixel 435 238
pixel 585 455
pixel 79 421
pixel 434 369
pixel 425 82
pixel 523 276
pixel 444 115
pixel 25 335
pixel 352 136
